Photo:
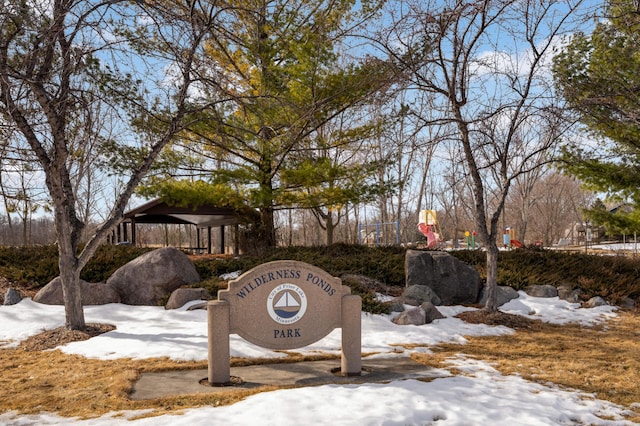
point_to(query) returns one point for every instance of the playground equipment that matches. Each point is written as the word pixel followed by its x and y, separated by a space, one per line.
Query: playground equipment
pixel 428 226
pixel 379 233
pixel 508 240
pixel 470 238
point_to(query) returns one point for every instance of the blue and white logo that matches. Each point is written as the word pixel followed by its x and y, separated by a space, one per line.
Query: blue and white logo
pixel 286 303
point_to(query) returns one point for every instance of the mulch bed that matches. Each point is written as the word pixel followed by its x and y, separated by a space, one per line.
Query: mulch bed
pixel 498 318
pixel 49 339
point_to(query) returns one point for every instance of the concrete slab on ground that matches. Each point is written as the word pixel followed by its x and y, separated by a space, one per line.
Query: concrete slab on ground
pixel 308 373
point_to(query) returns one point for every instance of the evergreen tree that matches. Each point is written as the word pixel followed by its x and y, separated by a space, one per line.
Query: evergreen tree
pixel 279 66
pixel 599 76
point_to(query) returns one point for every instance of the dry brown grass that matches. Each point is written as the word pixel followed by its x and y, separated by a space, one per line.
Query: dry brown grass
pixel 35 379
pixel 71 385
pixel 604 361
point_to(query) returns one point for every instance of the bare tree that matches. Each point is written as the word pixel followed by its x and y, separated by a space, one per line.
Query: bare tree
pixel 407 153
pixel 453 193
pixel 21 185
pixel 486 62
pixel 59 59
pixel 559 204
pixel 93 127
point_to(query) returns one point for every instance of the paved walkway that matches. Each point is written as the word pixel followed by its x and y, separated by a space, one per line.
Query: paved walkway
pixel 309 373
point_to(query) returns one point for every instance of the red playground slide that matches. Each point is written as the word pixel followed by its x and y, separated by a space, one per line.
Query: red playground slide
pixel 427 231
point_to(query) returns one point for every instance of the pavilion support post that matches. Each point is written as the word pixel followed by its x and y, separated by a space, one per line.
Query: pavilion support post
pixel 222 242
pixel 208 240
pixel 236 242
pixel 133 232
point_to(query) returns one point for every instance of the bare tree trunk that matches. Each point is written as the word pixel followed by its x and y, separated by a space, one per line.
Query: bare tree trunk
pixel 491 304
pixel 267 229
pixel 71 291
pixel 5 200
pixel 330 226
pixel 290 217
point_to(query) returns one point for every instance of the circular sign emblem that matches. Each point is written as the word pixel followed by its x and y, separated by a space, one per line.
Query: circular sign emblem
pixel 286 303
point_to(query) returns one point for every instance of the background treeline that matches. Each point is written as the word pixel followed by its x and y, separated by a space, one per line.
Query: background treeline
pixel 555 215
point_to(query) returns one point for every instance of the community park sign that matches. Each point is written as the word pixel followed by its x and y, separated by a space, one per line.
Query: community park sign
pixel 283 305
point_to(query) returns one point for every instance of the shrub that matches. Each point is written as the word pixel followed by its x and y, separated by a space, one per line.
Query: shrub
pixel 612 277
pixel 33 267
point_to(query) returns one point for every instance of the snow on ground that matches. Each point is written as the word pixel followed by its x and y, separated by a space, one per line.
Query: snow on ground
pixel 483 396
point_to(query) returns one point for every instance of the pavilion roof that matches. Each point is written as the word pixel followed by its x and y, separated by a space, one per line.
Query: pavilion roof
pixel 158 211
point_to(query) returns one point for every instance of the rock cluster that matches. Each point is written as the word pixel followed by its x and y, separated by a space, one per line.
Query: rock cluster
pixel 147 280
pixel 436 278
pixel 452 280
pixel 433 278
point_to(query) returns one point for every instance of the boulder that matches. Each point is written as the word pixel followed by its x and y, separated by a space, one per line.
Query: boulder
pixel 627 302
pixel 150 278
pixel 92 293
pixel 431 313
pixel 537 290
pixel 408 301
pixel 11 297
pixel 504 294
pixel 397 304
pixel 414 316
pixel 568 293
pixel 452 280
pixel 564 289
pixel 595 301
pixel 420 294
pixel 183 295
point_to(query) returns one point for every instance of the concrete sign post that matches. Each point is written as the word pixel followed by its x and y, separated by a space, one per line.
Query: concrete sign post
pixel 283 305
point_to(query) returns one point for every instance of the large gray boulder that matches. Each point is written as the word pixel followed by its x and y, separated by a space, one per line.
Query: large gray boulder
pixel 92 293
pixel 452 280
pixel 150 278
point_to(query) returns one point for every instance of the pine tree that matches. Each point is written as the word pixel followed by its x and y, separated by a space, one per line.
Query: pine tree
pixel 599 76
pixel 279 66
